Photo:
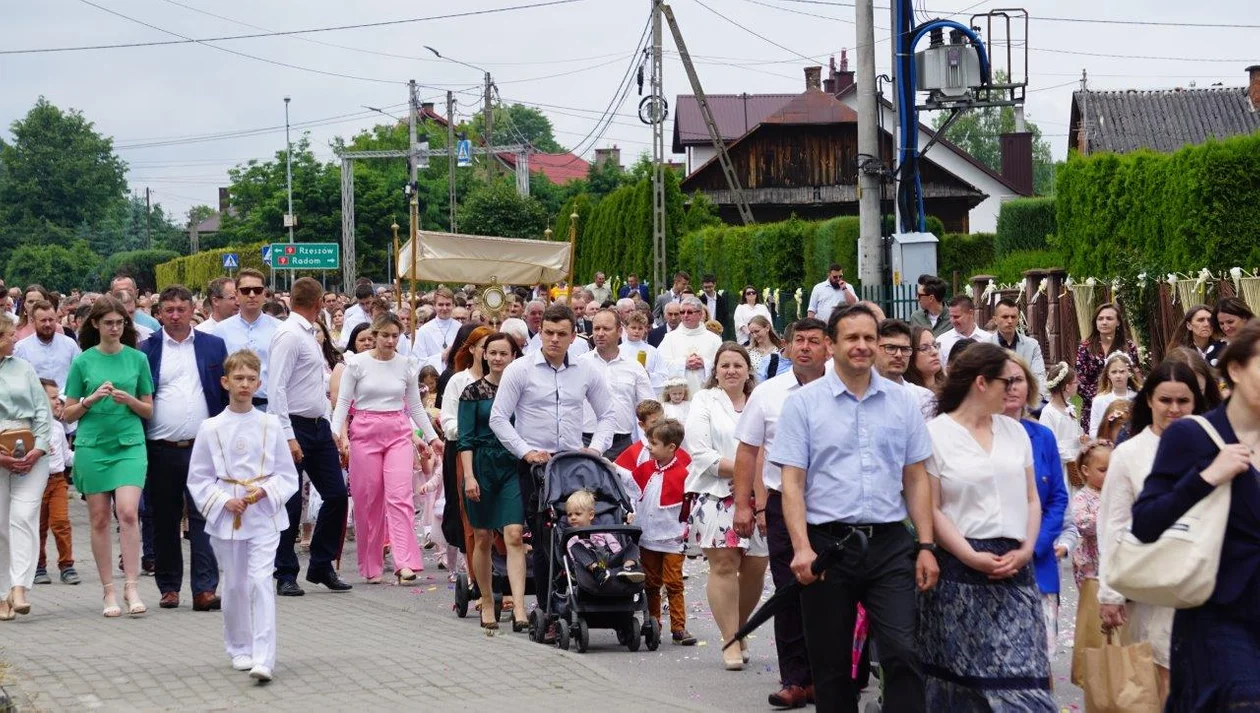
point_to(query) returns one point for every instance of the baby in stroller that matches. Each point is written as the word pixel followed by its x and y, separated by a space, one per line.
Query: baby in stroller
pixel 602 554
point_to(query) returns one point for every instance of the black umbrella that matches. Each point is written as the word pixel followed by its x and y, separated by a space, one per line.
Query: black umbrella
pixel 790 591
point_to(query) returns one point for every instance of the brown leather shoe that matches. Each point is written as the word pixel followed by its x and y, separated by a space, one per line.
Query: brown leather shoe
pixel 789 697
pixel 170 600
pixel 207 601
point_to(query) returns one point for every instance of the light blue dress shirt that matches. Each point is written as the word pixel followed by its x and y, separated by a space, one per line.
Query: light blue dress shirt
pixel 238 334
pixel 853 450
pixel 50 359
pixel 146 319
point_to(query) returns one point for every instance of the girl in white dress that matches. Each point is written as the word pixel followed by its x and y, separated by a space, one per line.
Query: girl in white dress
pixel 1061 418
pixel 1118 382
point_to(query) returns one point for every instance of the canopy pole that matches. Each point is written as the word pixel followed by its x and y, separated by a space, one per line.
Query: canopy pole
pixel 415 267
pixel 397 280
pixel 573 217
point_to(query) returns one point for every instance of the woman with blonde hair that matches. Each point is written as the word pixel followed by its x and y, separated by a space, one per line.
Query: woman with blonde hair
pixel 765 349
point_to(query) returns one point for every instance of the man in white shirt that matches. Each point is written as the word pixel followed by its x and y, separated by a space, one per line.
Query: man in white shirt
pixel 330 305
pixel 831 293
pixel 689 350
pixel 626 378
pixel 48 350
pixel 892 358
pixel 1007 336
pixel 436 334
pixel 538 412
pixel 962 314
pixel 357 313
pixel 251 328
pixel 295 386
pixel 222 303
pixel 187 367
pixel 600 292
pixel 807 346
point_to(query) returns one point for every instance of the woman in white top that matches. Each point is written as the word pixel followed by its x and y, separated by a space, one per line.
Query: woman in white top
pixel 385 390
pixel 750 306
pixel 1061 418
pixel 987 516
pixel 737 565
pixel 1171 391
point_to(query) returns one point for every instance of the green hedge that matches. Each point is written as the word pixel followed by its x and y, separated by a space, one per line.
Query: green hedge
pixel 196 271
pixel 1010 268
pixel 965 253
pixel 1024 224
pixel 1182 211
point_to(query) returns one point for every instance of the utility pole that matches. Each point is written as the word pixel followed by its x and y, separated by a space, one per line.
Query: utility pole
pixel 870 244
pixel 489 131
pixel 451 153
pixel 288 159
pixel 148 211
pixel 658 157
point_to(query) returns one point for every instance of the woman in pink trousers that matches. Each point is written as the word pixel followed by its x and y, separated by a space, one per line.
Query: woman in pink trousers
pixel 383 385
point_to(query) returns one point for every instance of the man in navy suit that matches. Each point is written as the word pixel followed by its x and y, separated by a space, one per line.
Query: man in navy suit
pixel 673 317
pixel 187 368
pixel 633 285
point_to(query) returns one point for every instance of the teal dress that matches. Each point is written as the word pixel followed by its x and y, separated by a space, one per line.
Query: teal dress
pixel 109 451
pixel 493 465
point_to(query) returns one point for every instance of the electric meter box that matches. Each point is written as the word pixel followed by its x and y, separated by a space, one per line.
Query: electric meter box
pixel 948 71
pixel 913 254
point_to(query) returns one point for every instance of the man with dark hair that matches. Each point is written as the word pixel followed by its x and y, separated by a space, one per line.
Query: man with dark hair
pixel 864 479
pixel 187 368
pixel 962 314
pixel 808 350
pixel 632 286
pixel 48 349
pixel 931 312
pixel 295 386
pixel 1006 314
pixel 893 358
pixel 831 293
pixel 358 312
pixel 538 411
pixel 222 298
pixel 627 381
pixel 682 281
pixel 123 281
pixel 713 302
pixel 536 315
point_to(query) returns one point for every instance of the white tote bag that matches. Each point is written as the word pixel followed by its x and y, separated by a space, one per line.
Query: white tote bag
pixel 1179 569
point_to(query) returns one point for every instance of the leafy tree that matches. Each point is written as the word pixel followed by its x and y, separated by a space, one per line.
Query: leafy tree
pixel 58 171
pixel 129 225
pixel 198 213
pixel 977 132
pixel 141 265
pixel 497 209
pixel 518 123
pixel 55 266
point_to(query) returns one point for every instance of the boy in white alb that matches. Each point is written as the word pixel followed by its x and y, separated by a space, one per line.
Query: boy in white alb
pixel 241 475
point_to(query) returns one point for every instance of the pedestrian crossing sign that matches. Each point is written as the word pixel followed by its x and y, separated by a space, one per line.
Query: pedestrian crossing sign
pixel 230 261
pixel 463 155
pixel 266 254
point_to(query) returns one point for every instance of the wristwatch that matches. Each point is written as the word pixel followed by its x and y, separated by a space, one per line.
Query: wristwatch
pixel 926 547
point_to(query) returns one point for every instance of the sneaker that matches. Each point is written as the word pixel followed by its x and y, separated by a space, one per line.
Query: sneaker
pixel 41 577
pixel 69 576
pixel 631 575
pixel 260 673
pixel 242 663
pixel 683 638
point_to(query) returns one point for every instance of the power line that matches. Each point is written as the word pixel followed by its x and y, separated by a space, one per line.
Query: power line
pixel 1085 20
pixel 283 33
pixel 754 33
pixel 241 133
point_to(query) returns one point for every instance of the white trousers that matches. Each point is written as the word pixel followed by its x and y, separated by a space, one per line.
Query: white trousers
pixel 20 496
pixel 249 602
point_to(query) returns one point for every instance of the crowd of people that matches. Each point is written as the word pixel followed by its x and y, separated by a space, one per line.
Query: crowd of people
pixel 923 479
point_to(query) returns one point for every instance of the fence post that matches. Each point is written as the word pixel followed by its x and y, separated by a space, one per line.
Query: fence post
pixel 1035 309
pixel 1054 331
pixel 978 285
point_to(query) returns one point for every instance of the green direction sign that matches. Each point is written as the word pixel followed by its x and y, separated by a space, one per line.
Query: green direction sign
pixel 305 256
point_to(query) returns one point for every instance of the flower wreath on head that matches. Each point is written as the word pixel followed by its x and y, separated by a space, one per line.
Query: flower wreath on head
pixel 1052 384
pixel 673 383
pixel 1119 355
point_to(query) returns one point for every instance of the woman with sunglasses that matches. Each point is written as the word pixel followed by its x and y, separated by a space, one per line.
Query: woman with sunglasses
pixel 750 306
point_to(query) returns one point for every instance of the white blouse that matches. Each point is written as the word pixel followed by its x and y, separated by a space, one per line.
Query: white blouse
pixel 744 313
pixel 1099 407
pixel 1066 428
pixel 375 385
pixel 985 494
pixel 710 437
pixel 449 417
pixel 1131 463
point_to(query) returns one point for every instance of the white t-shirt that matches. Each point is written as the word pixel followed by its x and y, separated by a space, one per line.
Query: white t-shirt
pixel 947 341
pixel 984 494
pixel 1101 402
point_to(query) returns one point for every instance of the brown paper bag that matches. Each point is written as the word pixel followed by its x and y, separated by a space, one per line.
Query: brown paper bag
pixel 1089 634
pixel 1121 679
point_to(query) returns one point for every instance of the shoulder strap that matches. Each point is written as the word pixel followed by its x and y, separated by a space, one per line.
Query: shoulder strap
pixel 1207 426
pixel 774 366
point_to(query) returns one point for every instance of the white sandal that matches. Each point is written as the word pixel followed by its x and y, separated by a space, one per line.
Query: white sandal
pixel 112 611
pixel 135 607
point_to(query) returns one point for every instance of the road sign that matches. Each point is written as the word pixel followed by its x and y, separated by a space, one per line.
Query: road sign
pixel 231 261
pixel 463 158
pixel 305 256
pixel 266 254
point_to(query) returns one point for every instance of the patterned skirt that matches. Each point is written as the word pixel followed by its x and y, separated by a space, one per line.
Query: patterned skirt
pixel 983 643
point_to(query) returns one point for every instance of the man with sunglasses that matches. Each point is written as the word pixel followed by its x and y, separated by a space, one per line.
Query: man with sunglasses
pixel 931 312
pixel 831 294
pixel 892 358
pixel 250 328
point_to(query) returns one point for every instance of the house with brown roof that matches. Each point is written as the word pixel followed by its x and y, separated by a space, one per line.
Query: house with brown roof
pixel 559 168
pixel 796 154
pixel 1163 120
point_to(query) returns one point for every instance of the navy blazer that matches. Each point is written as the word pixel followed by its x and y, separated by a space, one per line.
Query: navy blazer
pixel 624 291
pixel 657 335
pixel 210 351
pixel 1175 485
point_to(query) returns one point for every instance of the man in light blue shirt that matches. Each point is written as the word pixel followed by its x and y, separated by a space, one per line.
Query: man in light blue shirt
pixel 250 328
pixel 144 319
pixel 49 350
pixel 850 444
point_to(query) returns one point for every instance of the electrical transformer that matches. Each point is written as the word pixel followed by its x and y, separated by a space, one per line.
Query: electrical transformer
pixel 948 71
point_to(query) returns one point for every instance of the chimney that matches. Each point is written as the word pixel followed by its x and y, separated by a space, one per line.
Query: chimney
pixel 426 108
pixel 1253 86
pixel 224 201
pixel 842 79
pixel 813 78
pixel 829 84
pixel 612 155
pixel 1017 162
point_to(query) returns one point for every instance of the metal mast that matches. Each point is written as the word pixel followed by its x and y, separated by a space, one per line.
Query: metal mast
pixel 658 155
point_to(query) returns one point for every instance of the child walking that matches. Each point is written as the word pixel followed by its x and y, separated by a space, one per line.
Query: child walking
pixel 1117 383
pixel 54 509
pixel 240 477
pixel 1093 462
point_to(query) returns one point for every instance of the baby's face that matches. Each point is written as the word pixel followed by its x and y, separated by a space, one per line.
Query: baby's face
pixel 580 518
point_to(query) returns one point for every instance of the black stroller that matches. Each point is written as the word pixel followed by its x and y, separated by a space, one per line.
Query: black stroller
pixel 467 591
pixel 574 601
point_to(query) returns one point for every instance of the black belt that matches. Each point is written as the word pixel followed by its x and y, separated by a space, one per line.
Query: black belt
pixel 841 529
pixel 305 419
pixel 173 444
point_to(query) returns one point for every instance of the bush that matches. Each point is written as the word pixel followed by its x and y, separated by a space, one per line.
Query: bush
pixel 1182 211
pixel 1024 224
pixel 1011 268
pixel 56 267
pixel 141 265
pixel 965 253
pixel 196 271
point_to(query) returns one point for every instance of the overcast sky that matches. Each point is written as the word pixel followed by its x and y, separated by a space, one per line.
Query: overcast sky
pixel 158 103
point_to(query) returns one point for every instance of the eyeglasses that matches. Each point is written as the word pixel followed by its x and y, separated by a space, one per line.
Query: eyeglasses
pixel 928 348
pixel 921 294
pixel 251 290
pixel 1011 381
pixel 895 349
pixel 750 293
pixel 690 311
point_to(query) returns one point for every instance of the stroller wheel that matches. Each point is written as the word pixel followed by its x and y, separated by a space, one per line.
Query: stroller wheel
pixel 461 595
pixel 562 635
pixel 537 626
pixel 632 634
pixel 652 632
pixel 583 635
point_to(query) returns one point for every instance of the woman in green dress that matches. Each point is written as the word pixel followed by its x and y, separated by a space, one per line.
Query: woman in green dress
pixel 109 390
pixel 492 489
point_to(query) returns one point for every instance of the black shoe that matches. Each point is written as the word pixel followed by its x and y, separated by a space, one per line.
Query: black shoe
pixel 330 580
pixel 289 588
